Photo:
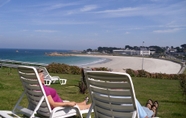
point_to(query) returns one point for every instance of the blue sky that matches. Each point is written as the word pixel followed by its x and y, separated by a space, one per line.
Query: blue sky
pixel 82 24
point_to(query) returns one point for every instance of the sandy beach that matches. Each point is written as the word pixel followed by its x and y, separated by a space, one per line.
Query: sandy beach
pixel 120 63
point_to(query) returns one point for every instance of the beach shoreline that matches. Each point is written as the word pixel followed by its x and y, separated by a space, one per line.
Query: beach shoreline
pixel 121 63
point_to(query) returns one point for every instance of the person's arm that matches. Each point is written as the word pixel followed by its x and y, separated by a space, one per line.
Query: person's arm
pixel 59 104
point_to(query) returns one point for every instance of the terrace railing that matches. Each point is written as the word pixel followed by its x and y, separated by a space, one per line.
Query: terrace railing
pixel 15 64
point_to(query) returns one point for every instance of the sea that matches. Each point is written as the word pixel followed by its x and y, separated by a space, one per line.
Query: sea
pixel 39 56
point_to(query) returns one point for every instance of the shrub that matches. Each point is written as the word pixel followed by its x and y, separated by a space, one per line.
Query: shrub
pixel 132 73
pixel 67 69
pixel 136 73
pixel 183 85
pixel 82 87
pixel 171 76
pixel 143 73
pixel 63 69
pixel 75 70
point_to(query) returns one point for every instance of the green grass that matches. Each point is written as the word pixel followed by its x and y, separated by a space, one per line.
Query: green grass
pixel 167 92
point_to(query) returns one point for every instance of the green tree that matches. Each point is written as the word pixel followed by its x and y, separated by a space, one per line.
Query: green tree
pixel 89 50
pixel 183 47
pixel 158 49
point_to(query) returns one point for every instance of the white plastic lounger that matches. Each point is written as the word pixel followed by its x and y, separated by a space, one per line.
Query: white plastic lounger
pixel 52 79
pixel 38 105
pixel 112 94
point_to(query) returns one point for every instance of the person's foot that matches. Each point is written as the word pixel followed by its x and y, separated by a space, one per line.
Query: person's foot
pixel 155 106
pixel 148 105
pixel 150 102
pixel 154 109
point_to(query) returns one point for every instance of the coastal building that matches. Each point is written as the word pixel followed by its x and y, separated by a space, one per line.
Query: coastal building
pixel 126 52
pixel 142 51
pixel 93 52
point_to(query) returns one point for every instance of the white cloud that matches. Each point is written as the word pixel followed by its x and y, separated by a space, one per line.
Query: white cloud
pixel 63 23
pixel 88 8
pixel 146 10
pixel 3 2
pixel 46 31
pixel 24 30
pixel 156 0
pixel 128 9
pixel 167 30
pixel 84 9
pixel 58 6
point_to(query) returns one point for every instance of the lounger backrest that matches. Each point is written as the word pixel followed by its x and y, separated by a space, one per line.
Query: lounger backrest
pixel 112 94
pixel 34 91
pixel 46 73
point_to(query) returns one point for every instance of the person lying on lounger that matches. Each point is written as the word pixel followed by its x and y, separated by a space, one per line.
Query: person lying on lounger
pixel 56 101
pixel 148 111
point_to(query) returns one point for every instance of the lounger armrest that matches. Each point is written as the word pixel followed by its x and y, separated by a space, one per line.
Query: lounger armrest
pixel 76 109
pixel 8 114
pixel 60 108
pixel 134 114
pixel 79 111
pixel 90 111
pixel 57 108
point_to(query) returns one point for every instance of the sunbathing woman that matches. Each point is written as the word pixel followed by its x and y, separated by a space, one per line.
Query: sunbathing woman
pixel 56 101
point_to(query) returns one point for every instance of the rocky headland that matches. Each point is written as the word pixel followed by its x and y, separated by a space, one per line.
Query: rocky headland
pixel 58 54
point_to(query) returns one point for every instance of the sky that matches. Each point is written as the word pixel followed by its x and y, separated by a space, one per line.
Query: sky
pixel 83 24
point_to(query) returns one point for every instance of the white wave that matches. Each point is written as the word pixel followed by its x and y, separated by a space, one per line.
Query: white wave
pixel 94 62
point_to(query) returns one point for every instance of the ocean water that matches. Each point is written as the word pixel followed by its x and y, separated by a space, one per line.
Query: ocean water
pixel 39 56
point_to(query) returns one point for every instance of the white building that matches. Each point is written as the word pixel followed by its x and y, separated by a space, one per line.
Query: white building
pixel 142 51
pixel 127 52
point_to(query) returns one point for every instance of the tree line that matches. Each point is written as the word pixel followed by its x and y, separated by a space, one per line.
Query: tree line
pixel 157 49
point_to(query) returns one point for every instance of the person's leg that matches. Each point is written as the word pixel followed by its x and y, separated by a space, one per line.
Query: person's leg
pixel 82 103
pixel 83 106
pixel 85 101
pixel 142 113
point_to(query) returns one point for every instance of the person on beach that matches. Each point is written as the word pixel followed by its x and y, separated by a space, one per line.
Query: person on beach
pixel 56 101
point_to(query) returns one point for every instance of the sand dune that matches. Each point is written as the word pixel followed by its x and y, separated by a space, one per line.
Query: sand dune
pixel 119 63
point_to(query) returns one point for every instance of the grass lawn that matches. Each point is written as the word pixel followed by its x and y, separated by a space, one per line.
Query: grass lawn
pixel 166 92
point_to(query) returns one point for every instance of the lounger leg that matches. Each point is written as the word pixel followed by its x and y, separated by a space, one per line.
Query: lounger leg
pixel 48 82
pixel 62 81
